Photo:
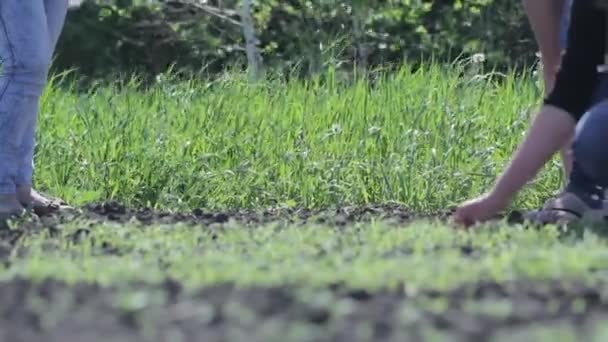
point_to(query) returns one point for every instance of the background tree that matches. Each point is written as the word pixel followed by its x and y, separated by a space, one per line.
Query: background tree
pixel 103 38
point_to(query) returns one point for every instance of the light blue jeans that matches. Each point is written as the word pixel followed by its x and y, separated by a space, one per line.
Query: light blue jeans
pixel 29 30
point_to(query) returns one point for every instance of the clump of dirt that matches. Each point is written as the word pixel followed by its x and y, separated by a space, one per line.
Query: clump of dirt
pixel 55 311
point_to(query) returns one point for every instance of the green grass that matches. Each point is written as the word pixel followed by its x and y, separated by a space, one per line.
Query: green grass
pixel 427 139
pixel 376 257
pixel 372 256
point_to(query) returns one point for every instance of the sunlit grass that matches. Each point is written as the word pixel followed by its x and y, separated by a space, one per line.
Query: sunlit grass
pixel 427 139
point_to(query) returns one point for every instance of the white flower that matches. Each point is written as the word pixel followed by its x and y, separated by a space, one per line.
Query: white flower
pixel 478 58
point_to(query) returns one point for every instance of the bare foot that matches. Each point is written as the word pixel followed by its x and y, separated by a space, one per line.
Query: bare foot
pixel 39 203
pixel 10 206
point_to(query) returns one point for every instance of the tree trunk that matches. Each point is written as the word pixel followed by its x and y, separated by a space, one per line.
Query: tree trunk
pixel 253 55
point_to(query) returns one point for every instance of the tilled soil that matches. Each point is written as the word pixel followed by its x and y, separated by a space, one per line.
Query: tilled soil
pixel 391 213
pixel 340 216
pixel 117 213
pixel 113 212
pixel 53 311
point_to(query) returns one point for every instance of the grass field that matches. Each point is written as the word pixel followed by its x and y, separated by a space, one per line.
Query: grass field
pixel 293 211
pixel 426 140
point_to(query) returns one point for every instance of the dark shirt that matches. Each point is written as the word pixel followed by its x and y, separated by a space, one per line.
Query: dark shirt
pixel 577 78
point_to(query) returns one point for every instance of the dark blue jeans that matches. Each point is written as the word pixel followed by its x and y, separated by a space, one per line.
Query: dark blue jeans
pixel 565 23
pixel 589 176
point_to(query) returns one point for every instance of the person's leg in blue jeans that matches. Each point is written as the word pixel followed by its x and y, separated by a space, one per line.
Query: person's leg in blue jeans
pixel 585 192
pixel 25 50
pixel 55 12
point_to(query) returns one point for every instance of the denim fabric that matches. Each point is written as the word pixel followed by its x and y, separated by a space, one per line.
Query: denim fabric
pixel 565 23
pixel 29 31
pixel 589 174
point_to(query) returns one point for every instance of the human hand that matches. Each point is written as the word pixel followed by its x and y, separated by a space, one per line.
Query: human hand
pixel 479 209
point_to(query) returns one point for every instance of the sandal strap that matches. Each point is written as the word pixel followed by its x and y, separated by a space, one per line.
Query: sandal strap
pixel 566 210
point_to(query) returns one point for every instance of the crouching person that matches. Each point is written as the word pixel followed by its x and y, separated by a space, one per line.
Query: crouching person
pixel 578 102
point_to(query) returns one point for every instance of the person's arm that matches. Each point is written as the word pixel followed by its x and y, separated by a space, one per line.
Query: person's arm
pixel 564 106
pixel 545 17
pixel 550 128
pixel 548 133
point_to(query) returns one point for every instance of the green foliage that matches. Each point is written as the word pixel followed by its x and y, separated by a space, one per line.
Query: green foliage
pixel 427 139
pixel 123 36
pixel 304 283
pixel 372 256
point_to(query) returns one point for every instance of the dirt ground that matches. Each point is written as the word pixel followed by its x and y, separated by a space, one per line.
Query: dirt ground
pixel 54 311
pixel 340 216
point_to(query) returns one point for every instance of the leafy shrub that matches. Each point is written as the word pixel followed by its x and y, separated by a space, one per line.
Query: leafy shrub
pixel 124 36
